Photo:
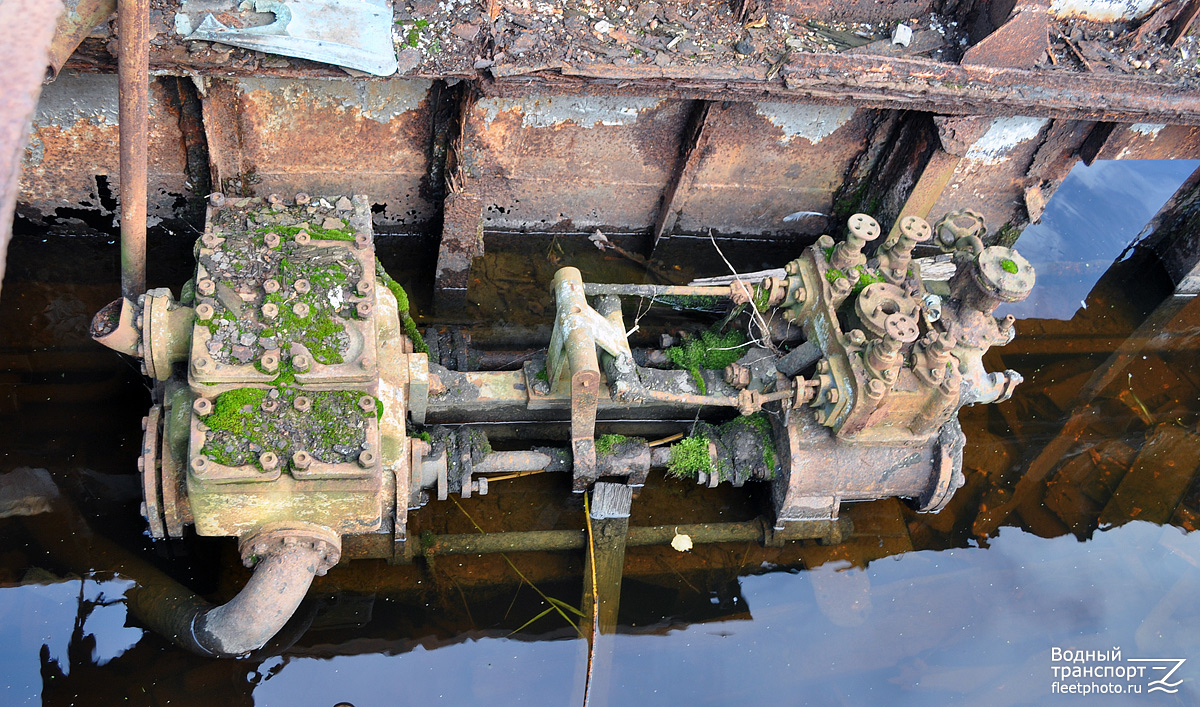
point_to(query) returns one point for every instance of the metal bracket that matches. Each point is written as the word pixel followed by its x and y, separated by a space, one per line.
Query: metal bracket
pixel 578 330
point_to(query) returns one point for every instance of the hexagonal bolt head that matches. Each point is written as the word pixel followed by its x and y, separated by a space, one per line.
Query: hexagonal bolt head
pixel 210 240
pixel 362 241
pixel 876 388
pixel 823 366
pixel 269 362
pixel 201 364
pixel 202 406
pixel 302 403
pixel 206 287
pixel 300 310
pixel 857 337
pixel 199 462
pixel 269 461
pixel 366 362
pixel 301 199
pixel 364 288
pixel 271 240
pixel 268 405
pixel 301 459
pixel 301 362
pixel 363 309
pixel 270 310
pixel 303 238
pixel 274 200
pixel 205 311
pixel 301 286
pixel 270 286
pixel 832 395
pixel 216 199
pixel 841 286
pixel 792 268
pixel 366 459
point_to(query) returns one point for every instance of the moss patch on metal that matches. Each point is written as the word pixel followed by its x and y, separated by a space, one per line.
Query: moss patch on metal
pixel 709 350
pixel 246 422
pixel 406 320
pixel 689 458
pixel 314 294
pixel 607 444
pixel 1009 266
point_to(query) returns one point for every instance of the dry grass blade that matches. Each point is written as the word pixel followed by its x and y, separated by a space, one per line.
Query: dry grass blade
pixel 587 686
pixel 520 574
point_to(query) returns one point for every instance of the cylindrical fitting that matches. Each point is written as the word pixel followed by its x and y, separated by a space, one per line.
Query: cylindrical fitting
pixel 861 229
pixel 204 311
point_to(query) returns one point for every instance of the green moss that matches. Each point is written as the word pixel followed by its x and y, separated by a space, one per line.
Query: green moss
pixel 606 444
pixel 1008 265
pixel 761 426
pixel 833 274
pixel 701 303
pixel 232 410
pixel 709 350
pixel 864 277
pixel 332 430
pixel 689 458
pixel 420 434
pixel 828 253
pixel 542 375
pixel 410 326
pixel 762 295
pixel 320 233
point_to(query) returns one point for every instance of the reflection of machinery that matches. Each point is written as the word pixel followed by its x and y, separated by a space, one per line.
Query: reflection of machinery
pixel 288 426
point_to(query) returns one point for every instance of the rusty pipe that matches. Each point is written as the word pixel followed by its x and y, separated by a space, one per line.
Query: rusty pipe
pixel 80 18
pixel 592 289
pixel 133 70
pixel 274 592
pixel 171 610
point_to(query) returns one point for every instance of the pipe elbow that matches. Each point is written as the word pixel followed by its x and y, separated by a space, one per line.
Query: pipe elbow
pixel 279 583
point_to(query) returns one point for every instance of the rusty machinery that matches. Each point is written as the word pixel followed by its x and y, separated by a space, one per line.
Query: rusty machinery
pixel 289 388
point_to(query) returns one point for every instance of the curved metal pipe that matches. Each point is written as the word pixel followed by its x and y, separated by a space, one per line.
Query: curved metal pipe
pixel 275 590
pixel 244 624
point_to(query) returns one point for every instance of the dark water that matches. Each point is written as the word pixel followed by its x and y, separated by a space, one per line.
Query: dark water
pixel 912 609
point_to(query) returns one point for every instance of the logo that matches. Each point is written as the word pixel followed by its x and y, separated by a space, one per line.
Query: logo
pixel 1089 672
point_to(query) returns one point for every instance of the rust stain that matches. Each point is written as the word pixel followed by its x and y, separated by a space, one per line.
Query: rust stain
pixel 762 162
pixel 329 136
pixel 543 163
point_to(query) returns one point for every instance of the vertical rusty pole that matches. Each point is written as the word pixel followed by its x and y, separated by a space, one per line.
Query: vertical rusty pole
pixel 133 68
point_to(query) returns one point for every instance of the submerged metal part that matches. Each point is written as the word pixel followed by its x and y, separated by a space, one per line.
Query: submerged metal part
pixel 356 34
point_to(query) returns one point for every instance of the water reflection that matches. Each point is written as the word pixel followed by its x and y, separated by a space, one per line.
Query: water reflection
pixel 1095 215
pixel 911 609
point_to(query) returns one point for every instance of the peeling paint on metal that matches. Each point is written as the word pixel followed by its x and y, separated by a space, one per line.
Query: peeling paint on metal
pixel 1101 10
pixel 1005 134
pixel 76 97
pixel 1149 129
pixel 811 122
pixel 381 101
pixel 584 111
